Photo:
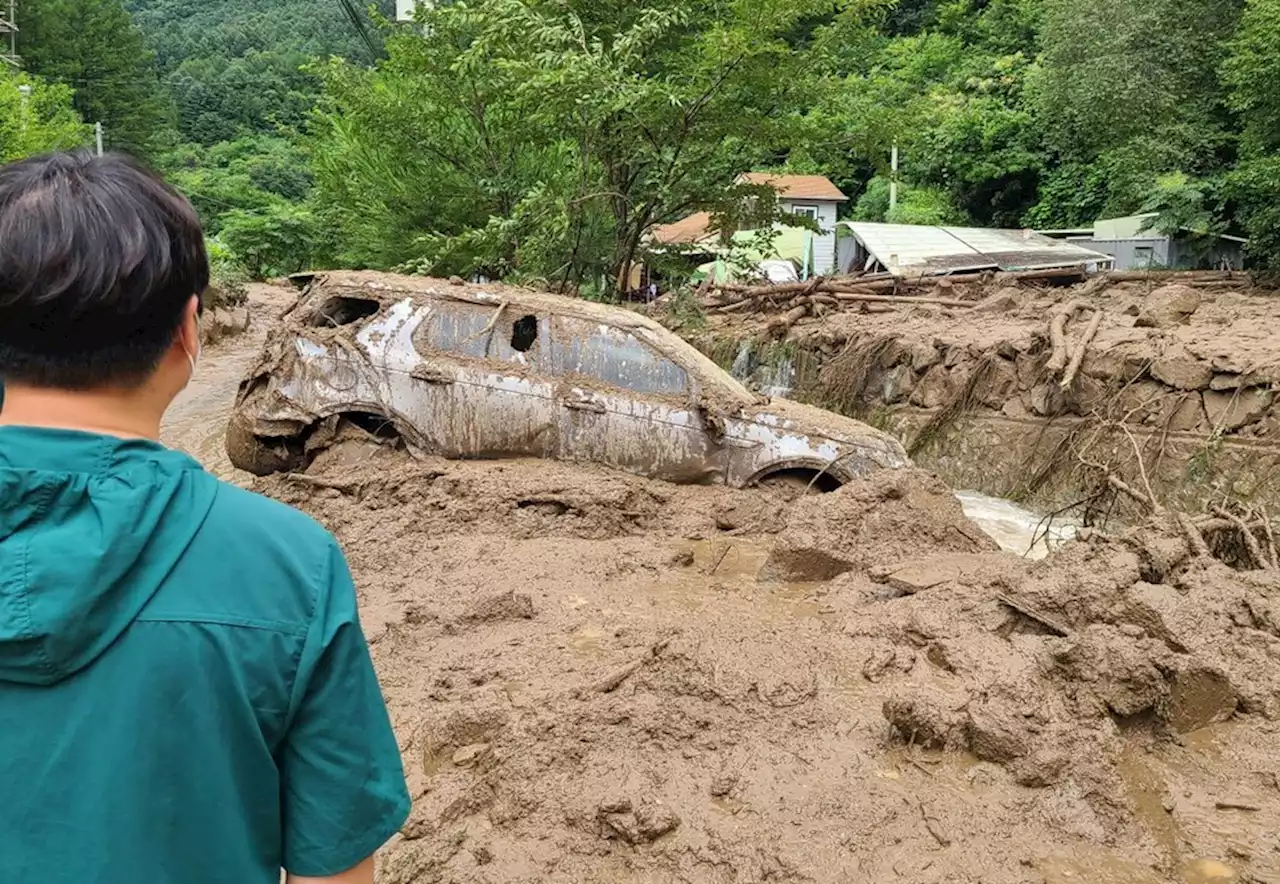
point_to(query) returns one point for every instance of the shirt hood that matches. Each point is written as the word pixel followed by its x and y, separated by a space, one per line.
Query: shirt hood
pixel 90 527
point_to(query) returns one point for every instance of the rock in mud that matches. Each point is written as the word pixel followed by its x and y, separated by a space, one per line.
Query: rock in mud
pixel 1117 669
pixel 881 520
pixel 1003 301
pixel 1162 612
pixel 998 730
pixel 929 716
pixel 1182 371
pixel 934 389
pixel 640 824
pixel 1199 696
pixel 1189 415
pixel 1047 399
pixel 509 605
pixel 1168 306
pixel 1231 411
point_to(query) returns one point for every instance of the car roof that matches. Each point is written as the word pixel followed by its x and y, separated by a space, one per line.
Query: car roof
pixel 391 286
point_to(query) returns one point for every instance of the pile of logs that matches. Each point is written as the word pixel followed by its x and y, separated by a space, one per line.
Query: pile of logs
pixel 884 288
pixel 793 301
pixel 797 300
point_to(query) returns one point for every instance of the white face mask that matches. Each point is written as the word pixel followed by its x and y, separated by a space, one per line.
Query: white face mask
pixel 194 359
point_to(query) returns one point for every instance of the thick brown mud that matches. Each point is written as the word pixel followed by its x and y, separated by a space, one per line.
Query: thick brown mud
pixel 597 678
pixel 1170 380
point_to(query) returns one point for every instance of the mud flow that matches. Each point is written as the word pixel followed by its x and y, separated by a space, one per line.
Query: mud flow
pixel 599 678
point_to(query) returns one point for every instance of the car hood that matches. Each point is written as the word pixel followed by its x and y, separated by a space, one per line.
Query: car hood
pixel 786 414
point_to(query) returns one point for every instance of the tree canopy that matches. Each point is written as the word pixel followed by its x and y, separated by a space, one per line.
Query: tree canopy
pixel 92 47
pixel 543 139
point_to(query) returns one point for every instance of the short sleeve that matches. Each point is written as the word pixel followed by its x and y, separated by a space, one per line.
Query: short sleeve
pixel 343 792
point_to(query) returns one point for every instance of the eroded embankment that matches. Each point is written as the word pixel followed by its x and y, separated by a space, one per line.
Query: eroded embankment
pixel 1175 380
pixel 597 678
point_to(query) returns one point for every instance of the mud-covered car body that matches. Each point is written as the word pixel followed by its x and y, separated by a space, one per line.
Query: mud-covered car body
pixel 488 371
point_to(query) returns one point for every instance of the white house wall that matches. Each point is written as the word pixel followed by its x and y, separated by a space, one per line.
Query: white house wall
pixel 824 246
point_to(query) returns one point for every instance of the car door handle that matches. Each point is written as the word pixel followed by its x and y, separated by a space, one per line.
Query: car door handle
pixel 590 405
pixel 429 375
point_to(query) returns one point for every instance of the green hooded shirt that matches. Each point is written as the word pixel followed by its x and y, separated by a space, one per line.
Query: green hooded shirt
pixel 185 691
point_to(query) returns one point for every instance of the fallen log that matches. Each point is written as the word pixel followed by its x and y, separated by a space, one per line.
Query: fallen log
pixel 780 326
pixel 1058 334
pixel 1176 275
pixel 1078 356
pixel 903 299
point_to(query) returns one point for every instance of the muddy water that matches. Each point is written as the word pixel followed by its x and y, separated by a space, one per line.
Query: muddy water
pixel 1018 530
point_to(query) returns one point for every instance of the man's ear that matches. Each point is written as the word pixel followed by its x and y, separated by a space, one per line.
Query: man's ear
pixel 189 330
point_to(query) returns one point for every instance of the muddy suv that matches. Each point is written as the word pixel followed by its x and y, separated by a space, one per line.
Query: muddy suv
pixel 489 371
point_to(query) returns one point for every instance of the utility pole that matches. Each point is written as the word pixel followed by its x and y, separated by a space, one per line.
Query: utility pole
pixel 97 131
pixel 25 91
pixel 9 33
pixel 893 178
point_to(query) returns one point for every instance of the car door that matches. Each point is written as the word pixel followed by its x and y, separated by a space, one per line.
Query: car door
pixel 624 404
pixel 482 382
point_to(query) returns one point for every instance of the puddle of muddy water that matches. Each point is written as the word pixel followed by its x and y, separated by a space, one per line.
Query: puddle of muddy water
pixel 1106 869
pixel 736 562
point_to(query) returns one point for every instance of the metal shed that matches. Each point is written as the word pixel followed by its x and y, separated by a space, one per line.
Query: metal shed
pixel 1135 245
pixel 918 250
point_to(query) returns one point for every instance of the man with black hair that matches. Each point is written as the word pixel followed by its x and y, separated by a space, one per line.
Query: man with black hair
pixel 186 696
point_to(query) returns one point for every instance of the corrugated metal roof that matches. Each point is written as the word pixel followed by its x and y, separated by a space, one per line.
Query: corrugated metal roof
pixel 919 250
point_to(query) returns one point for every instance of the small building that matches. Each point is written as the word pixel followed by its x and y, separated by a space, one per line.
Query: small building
pixel 813 197
pixel 407 9
pixel 914 250
pixel 1136 245
pixel 810 196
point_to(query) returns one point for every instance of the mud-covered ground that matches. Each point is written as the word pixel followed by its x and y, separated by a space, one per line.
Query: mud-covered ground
pixel 595 678
pixel 1030 390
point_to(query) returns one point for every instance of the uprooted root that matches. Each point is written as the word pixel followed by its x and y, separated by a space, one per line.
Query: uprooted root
pixel 845 377
pixel 962 401
pixel 1236 534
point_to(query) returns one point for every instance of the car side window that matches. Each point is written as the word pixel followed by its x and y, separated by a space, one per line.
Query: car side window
pixel 479 331
pixel 613 356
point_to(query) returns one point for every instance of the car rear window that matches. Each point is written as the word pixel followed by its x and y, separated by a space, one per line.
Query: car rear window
pixel 470 330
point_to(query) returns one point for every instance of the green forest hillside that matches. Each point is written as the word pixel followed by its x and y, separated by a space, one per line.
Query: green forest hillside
pixel 235 66
pixel 542 139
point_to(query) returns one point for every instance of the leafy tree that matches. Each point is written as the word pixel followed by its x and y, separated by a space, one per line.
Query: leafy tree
pixel 916 205
pixel 1252 71
pixel 41 121
pixel 1130 87
pixel 93 47
pixel 280 238
pixel 559 133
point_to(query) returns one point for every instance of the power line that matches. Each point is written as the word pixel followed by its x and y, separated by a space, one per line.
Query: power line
pixel 362 29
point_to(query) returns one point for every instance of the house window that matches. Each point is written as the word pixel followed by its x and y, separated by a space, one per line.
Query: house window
pixel 810 212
